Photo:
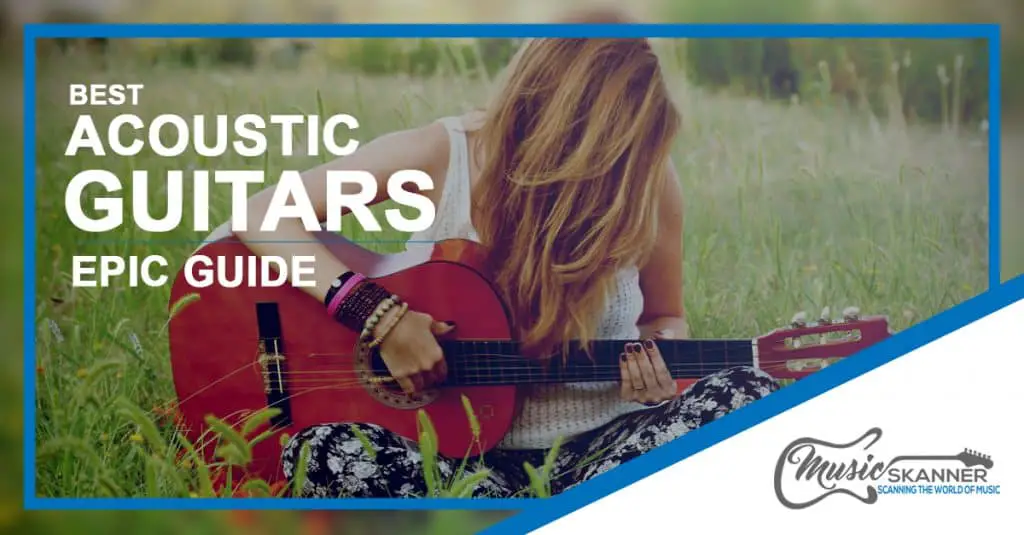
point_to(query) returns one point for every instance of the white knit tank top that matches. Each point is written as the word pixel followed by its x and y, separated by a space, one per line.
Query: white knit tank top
pixel 548 411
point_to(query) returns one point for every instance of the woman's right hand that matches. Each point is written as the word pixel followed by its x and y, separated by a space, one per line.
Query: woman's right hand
pixel 411 352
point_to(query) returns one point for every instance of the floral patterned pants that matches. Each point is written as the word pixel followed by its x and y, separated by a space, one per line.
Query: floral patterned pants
pixel 340 466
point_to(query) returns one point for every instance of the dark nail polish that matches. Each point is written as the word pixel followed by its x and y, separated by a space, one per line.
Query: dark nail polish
pixel 622 356
pixel 450 323
pixel 629 348
pixel 649 344
pixel 636 348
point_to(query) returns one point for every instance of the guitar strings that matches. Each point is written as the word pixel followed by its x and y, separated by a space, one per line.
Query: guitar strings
pixel 347 379
pixel 682 367
pixel 497 381
pixel 246 414
pixel 668 355
pixel 518 357
pixel 344 379
pixel 356 377
pixel 527 365
pixel 341 373
pixel 534 371
pixel 351 384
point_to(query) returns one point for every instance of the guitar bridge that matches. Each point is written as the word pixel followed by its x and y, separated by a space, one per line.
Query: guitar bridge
pixel 272 361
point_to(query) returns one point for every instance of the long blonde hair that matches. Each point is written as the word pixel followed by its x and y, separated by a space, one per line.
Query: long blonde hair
pixel 576 144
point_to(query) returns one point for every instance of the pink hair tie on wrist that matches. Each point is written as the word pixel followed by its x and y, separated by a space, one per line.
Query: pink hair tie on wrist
pixel 339 298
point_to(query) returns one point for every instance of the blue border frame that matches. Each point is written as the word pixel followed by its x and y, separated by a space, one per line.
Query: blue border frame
pixel 541 511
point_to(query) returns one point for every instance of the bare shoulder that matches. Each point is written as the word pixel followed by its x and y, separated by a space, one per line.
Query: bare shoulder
pixel 471 123
pixel 473 120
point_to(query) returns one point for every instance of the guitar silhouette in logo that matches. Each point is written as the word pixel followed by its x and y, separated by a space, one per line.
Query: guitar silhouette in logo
pixel 810 470
pixel 969 458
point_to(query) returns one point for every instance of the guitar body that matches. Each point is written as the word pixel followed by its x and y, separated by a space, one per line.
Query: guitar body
pixel 239 346
pixel 215 346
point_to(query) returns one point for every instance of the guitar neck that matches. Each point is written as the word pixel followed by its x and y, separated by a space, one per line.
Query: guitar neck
pixel 485 362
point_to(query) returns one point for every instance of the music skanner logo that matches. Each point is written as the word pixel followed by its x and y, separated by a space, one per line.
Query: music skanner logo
pixel 810 470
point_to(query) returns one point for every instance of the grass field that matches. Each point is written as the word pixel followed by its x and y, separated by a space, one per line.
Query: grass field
pixel 788 208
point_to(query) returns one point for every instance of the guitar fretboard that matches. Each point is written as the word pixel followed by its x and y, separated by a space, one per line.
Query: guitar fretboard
pixel 486 362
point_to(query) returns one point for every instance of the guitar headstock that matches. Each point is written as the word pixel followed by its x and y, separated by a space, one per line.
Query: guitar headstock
pixel 805 347
pixel 971 458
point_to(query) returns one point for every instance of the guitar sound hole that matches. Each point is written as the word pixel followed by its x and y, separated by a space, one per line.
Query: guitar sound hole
pixel 378 383
pixel 382 376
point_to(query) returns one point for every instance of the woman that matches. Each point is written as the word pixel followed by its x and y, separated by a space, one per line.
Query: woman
pixel 566 180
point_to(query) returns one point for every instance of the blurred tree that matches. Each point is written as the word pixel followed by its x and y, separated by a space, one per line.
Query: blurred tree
pixel 496 53
pixel 765 67
pixel 376 56
pixel 234 51
pixel 289 53
pixel 424 58
pixel 778 69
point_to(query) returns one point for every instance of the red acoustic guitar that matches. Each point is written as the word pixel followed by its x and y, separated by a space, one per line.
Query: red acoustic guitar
pixel 236 351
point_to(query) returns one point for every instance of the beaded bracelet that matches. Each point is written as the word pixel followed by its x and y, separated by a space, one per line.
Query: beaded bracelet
pixel 386 330
pixel 378 313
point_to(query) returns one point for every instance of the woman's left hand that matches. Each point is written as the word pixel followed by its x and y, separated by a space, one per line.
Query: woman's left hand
pixel 645 378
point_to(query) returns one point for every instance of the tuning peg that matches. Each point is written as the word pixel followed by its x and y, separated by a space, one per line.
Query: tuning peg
pixel 851 314
pixel 825 317
pixel 799 319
